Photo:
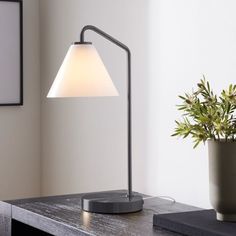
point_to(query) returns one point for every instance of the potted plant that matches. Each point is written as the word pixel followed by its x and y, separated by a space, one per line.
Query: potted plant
pixel 209 118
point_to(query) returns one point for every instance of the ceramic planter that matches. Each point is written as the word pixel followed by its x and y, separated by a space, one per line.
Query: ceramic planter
pixel 222 177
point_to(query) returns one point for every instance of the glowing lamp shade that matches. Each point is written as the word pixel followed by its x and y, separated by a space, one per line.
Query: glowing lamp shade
pixel 82 74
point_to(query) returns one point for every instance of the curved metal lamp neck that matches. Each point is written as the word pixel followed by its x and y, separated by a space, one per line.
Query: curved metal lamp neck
pixel 105 35
pixel 129 107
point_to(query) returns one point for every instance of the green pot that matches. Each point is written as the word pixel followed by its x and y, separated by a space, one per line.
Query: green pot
pixel 222 177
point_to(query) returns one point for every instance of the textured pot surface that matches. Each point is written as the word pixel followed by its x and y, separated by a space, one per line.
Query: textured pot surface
pixel 222 177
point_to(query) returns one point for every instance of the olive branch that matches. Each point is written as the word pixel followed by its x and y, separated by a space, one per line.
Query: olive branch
pixel 206 115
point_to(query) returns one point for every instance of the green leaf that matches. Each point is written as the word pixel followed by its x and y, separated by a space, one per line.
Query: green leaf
pixel 208 86
pixel 182 97
pixel 196 144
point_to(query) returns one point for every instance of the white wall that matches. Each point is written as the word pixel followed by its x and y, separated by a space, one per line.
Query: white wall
pixel 84 139
pixel 20 126
pixel 188 38
pixel 173 44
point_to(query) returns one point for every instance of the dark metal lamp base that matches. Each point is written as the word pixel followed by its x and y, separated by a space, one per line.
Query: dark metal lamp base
pixel 111 203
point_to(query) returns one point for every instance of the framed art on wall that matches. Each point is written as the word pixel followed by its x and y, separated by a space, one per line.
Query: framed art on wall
pixel 11 53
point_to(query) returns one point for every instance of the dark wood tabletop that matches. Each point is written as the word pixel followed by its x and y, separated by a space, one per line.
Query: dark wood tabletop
pixel 62 215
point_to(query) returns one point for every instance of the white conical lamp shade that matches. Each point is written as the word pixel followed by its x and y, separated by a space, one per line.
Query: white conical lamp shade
pixel 82 74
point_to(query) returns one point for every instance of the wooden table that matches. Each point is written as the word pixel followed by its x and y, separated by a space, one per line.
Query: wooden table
pixel 62 216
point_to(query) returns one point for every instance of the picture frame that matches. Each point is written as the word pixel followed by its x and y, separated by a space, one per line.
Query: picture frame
pixel 11 53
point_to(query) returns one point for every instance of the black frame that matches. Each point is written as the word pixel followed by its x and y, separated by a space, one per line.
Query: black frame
pixel 20 103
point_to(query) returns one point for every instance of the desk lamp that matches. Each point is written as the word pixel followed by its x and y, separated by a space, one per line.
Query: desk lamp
pixel 83 74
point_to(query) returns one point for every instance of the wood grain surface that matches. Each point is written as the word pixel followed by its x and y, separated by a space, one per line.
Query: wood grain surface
pixel 62 215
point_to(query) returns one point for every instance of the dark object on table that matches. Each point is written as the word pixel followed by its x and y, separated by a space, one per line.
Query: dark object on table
pixel 195 223
pixel 111 203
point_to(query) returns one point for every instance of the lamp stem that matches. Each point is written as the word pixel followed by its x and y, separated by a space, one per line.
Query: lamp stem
pixel 129 102
pixel 129 112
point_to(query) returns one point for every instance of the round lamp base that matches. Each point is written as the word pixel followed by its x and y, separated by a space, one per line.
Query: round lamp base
pixel 111 203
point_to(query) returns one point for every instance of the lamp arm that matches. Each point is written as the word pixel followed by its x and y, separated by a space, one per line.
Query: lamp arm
pixel 129 107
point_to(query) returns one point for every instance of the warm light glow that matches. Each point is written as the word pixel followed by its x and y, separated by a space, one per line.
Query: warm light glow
pixel 82 74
